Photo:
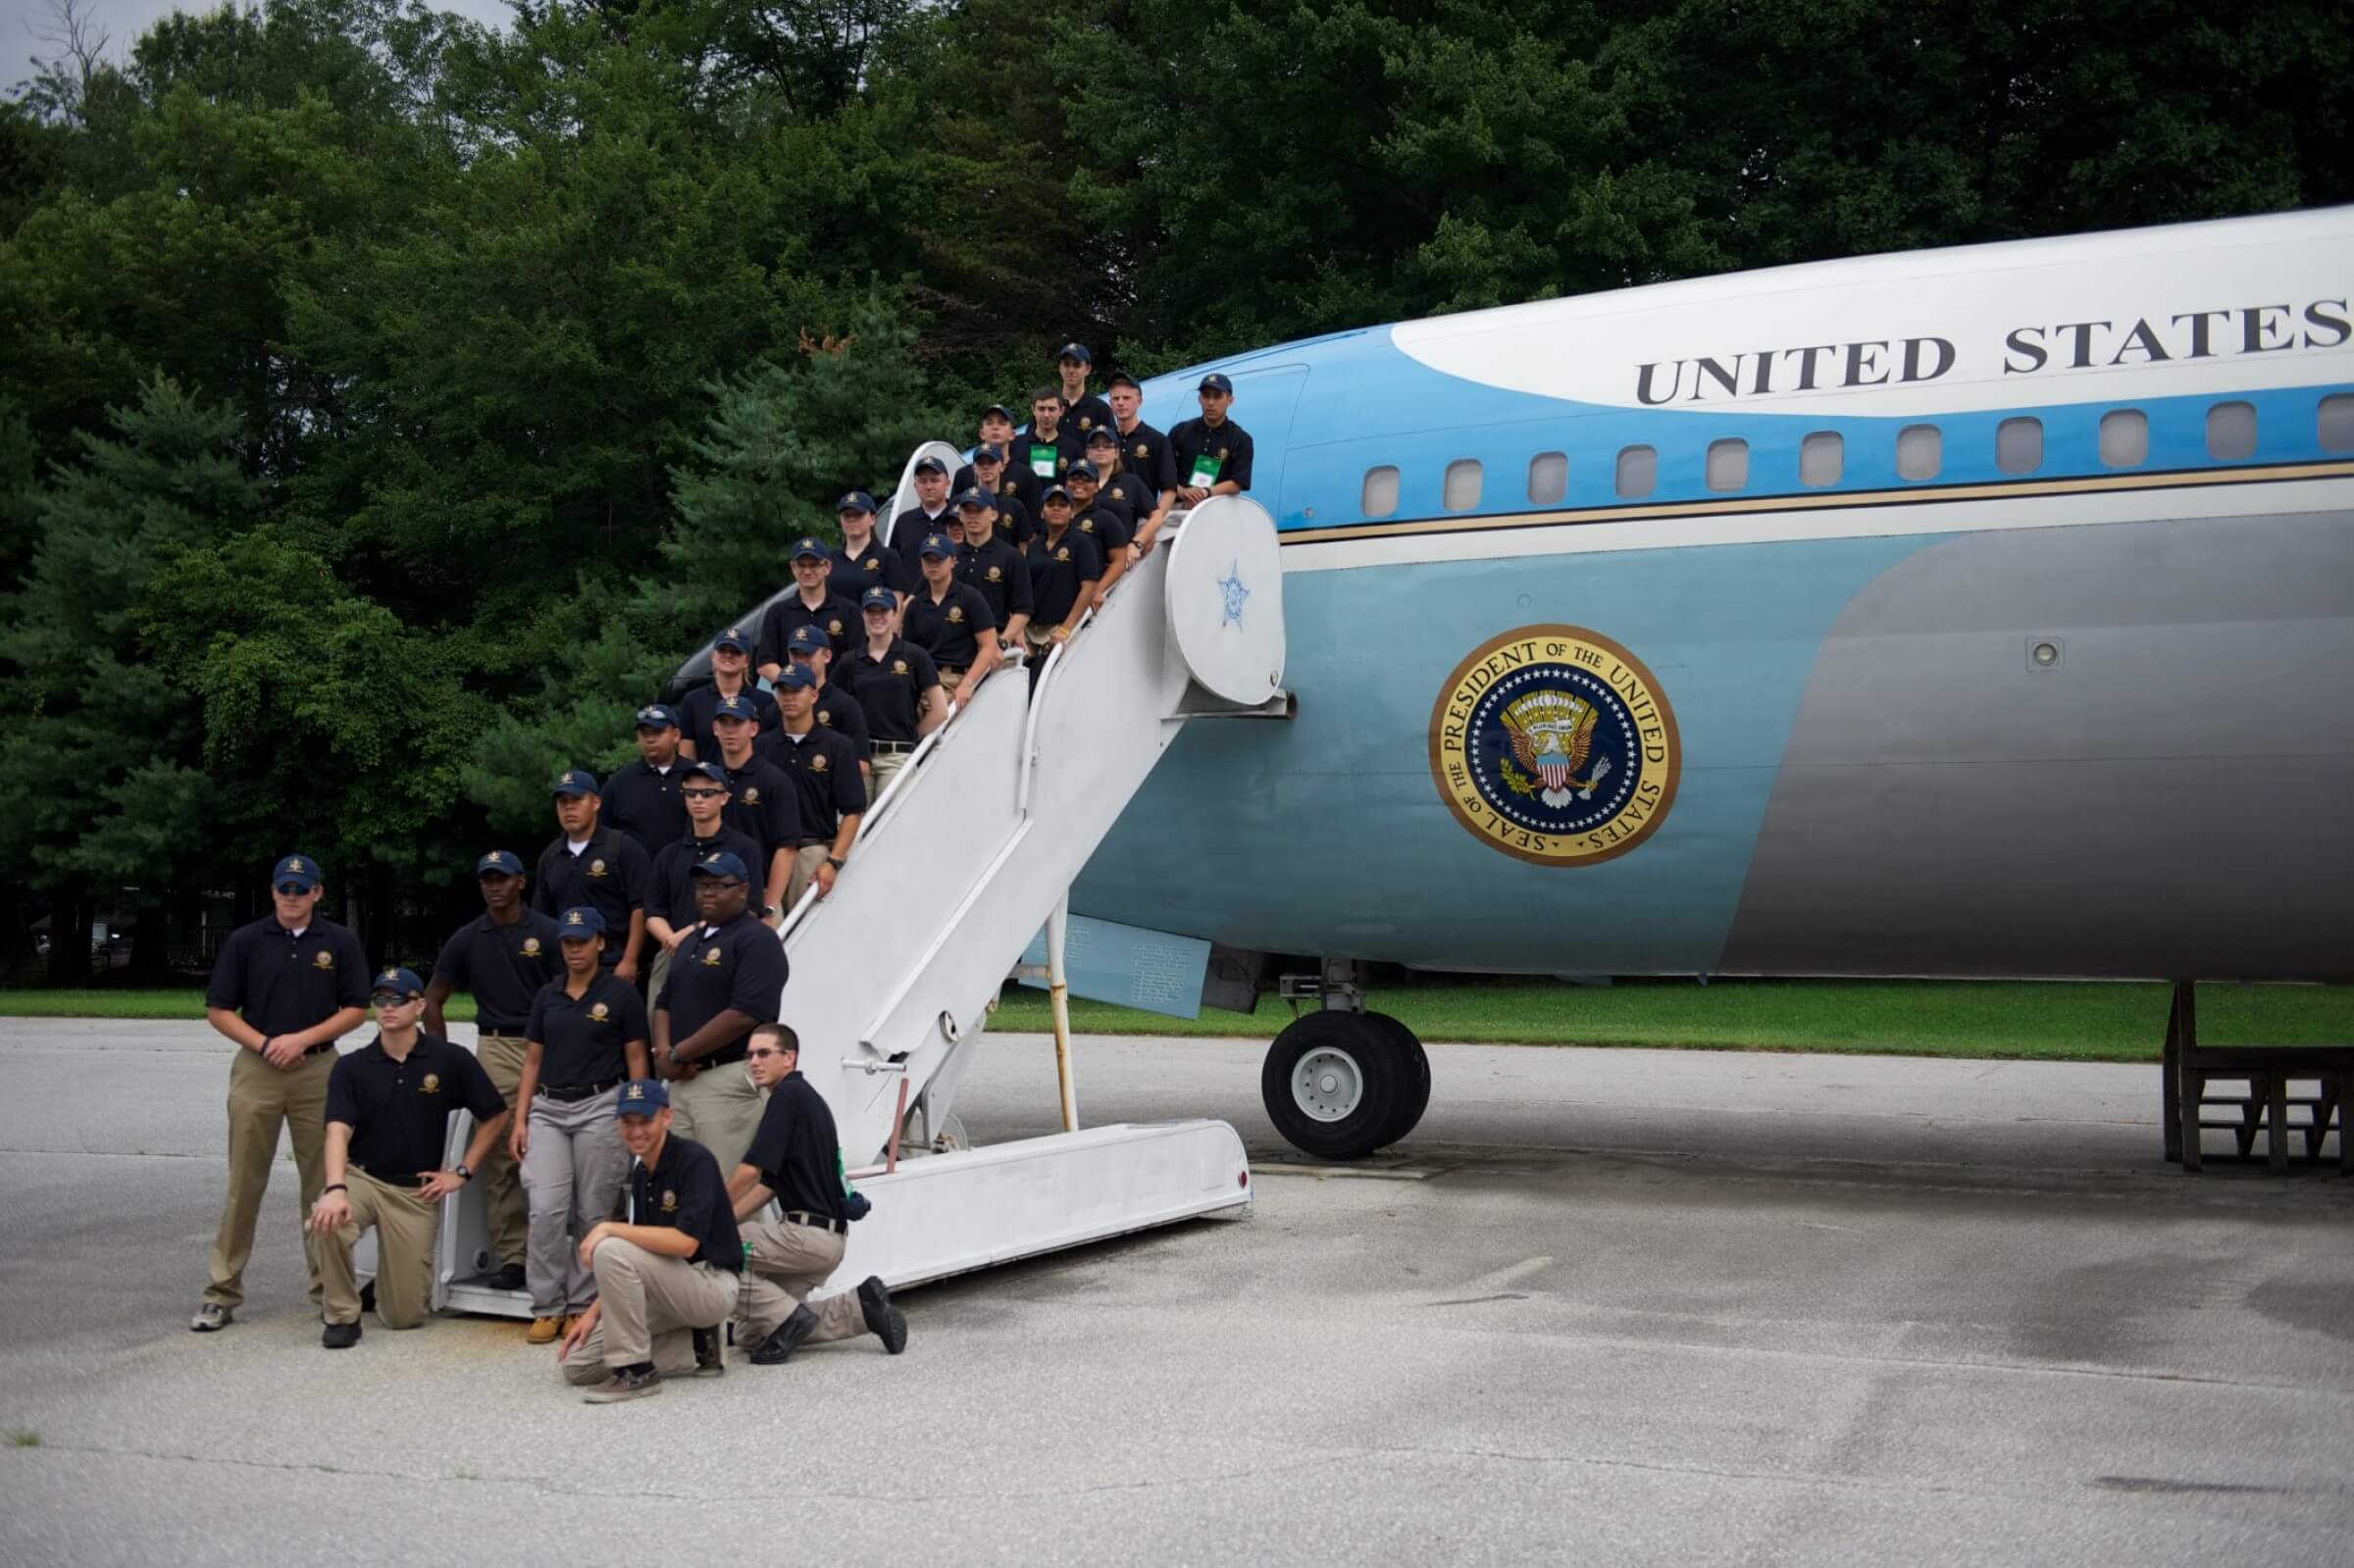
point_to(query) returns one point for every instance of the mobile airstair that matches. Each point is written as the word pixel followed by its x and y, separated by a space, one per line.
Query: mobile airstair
pixel 964 858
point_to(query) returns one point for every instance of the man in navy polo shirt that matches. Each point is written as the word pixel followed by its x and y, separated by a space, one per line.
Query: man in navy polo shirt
pixel 813 602
pixel 285 989
pixel 643 798
pixel 503 958
pixel 929 515
pixel 824 771
pixel 1144 450
pixel 388 1106
pixel 1082 410
pixel 836 709
pixel 761 804
pixel 669 915
pixel 1212 455
pixel 990 564
pixel 589 863
pixel 950 620
pixel 589 1036
pixel 726 978
pixel 864 562
pixel 667 1265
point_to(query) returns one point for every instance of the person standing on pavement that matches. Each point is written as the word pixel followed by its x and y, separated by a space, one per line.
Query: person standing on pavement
pixel 388 1106
pixel 795 1159
pixel 643 798
pixel 503 958
pixel 589 863
pixel 726 977
pixel 666 1265
pixel 589 1036
pixel 284 990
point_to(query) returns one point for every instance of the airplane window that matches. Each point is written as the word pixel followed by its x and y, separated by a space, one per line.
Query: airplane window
pixel 1548 477
pixel 2334 425
pixel 2124 437
pixel 1638 470
pixel 1920 452
pixel 1820 458
pixel 2019 445
pixel 2232 432
pixel 1381 491
pixel 1461 492
pixel 1728 465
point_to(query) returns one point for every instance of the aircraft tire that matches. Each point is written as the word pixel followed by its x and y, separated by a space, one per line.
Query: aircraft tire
pixel 1415 1098
pixel 1333 1084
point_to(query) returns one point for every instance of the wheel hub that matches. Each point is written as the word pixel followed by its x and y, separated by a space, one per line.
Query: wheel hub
pixel 1327 1084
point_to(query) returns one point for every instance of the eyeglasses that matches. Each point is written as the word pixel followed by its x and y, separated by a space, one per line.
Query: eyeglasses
pixel 384 998
pixel 759 1052
pixel 292 889
pixel 701 794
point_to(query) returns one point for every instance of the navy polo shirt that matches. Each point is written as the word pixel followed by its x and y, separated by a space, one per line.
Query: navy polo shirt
pixel 1015 520
pixel 698 707
pixel 1145 453
pixel 824 771
pixel 892 688
pixel 611 874
pixel 840 713
pixel 1057 568
pixel 762 807
pixel 1022 466
pixel 502 966
pixel 282 983
pixel 1086 417
pixel 581 1038
pixel 949 627
pixel 685 1190
pixel 740 965
pixel 1126 494
pixel 835 616
pixel 643 802
pixel 1228 447
pixel 996 569
pixel 908 531
pixel 1106 525
pixel 673 869
pixel 877 566
pixel 797 1150
pixel 398 1112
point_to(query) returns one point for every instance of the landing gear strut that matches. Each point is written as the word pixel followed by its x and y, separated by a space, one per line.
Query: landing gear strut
pixel 1341 1083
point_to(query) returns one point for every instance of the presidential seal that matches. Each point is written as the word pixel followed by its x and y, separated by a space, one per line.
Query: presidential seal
pixel 1555 744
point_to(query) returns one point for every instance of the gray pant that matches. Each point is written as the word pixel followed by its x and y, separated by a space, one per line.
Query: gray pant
pixel 572 1167
pixel 787 1262
pixel 719 1108
pixel 648 1307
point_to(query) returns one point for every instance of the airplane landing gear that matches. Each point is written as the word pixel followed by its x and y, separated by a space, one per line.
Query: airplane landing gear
pixel 1341 1083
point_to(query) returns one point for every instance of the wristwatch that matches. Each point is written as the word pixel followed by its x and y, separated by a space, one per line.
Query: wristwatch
pixel 834 861
pixel 465 1171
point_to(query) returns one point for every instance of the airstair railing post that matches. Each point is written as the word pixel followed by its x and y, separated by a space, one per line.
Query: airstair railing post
pixel 1059 998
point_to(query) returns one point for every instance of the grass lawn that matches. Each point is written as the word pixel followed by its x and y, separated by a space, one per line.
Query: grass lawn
pixel 2094 1023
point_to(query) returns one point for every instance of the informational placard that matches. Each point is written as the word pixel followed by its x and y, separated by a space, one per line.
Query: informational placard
pixel 1107 962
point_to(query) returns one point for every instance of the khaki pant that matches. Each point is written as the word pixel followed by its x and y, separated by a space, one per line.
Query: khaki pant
pixel 650 1304
pixel 787 1261
pixel 405 1228
pixel 805 861
pixel 655 975
pixel 572 1167
pixel 881 771
pixel 501 1056
pixel 262 1099
pixel 719 1108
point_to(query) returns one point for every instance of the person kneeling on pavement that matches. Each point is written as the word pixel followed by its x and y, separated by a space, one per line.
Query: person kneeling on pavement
pixel 666 1266
pixel 795 1158
pixel 388 1106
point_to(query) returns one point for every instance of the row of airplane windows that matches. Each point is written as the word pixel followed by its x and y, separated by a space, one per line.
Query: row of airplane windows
pixel 2124 443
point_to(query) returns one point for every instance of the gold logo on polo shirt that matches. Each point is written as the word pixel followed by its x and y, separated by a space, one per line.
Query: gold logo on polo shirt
pixel 874 564
pixel 599 1013
pixel 1141 450
pixel 817 763
pixel 956 615
pixel 995 575
pixel 432 1084
pixel 670 1200
pixel 751 794
pixel 1086 524
pixel 323 959
pixel 531 947
pixel 596 868
pixel 711 958
pixel 899 667
pixel 823 717
pixel 1063 553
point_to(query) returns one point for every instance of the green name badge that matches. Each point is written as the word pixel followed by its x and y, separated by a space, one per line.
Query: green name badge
pixel 1041 461
pixel 1206 471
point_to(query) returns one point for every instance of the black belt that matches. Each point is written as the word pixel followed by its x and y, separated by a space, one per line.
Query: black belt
pixel 815 1222
pixel 484 1032
pixel 895 745
pixel 410 1182
pixel 725 1056
pixel 574 1093
pixel 316 1049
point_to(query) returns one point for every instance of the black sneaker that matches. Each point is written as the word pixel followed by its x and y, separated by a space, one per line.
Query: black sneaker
pixel 340 1336
pixel 627 1383
pixel 882 1319
pixel 707 1353
pixel 368 1296
pixel 777 1348
pixel 211 1319
pixel 506 1277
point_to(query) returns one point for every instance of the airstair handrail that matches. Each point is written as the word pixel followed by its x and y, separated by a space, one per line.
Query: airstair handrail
pixel 1045 681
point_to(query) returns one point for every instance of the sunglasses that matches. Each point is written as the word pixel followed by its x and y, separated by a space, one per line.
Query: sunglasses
pixel 384 998
pixel 701 794
pixel 764 1051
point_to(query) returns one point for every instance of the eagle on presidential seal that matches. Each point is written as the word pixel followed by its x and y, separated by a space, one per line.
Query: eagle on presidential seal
pixel 1552 733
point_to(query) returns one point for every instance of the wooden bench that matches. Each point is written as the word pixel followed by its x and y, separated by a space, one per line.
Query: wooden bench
pixel 2269 1071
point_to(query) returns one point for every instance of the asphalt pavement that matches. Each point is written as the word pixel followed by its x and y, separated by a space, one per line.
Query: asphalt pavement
pixel 1604 1306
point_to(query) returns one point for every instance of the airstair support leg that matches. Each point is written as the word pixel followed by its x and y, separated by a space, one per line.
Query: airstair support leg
pixel 1058 999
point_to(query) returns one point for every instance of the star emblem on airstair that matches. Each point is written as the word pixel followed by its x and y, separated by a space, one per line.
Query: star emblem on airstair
pixel 1230 588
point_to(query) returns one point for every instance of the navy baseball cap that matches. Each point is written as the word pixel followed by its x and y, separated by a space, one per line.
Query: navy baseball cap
pixel 711 771
pixel 1123 379
pixel 1102 435
pixel 1001 411
pixel 1082 469
pixel 935 544
pixel 657 716
pixel 297 870
pixel 977 498
pixel 1054 492
pixel 573 781
pixel 879 599
pixel 581 920
pixel 724 863
pixel 738 706
pixel 807 639
pixel 733 637
pixel 855 501
pixel 988 453
pixel 797 678
pixel 1215 382
pixel 930 465
pixel 1077 351
pixel 500 862
pixel 641 1096
pixel 806 548
pixel 401 983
